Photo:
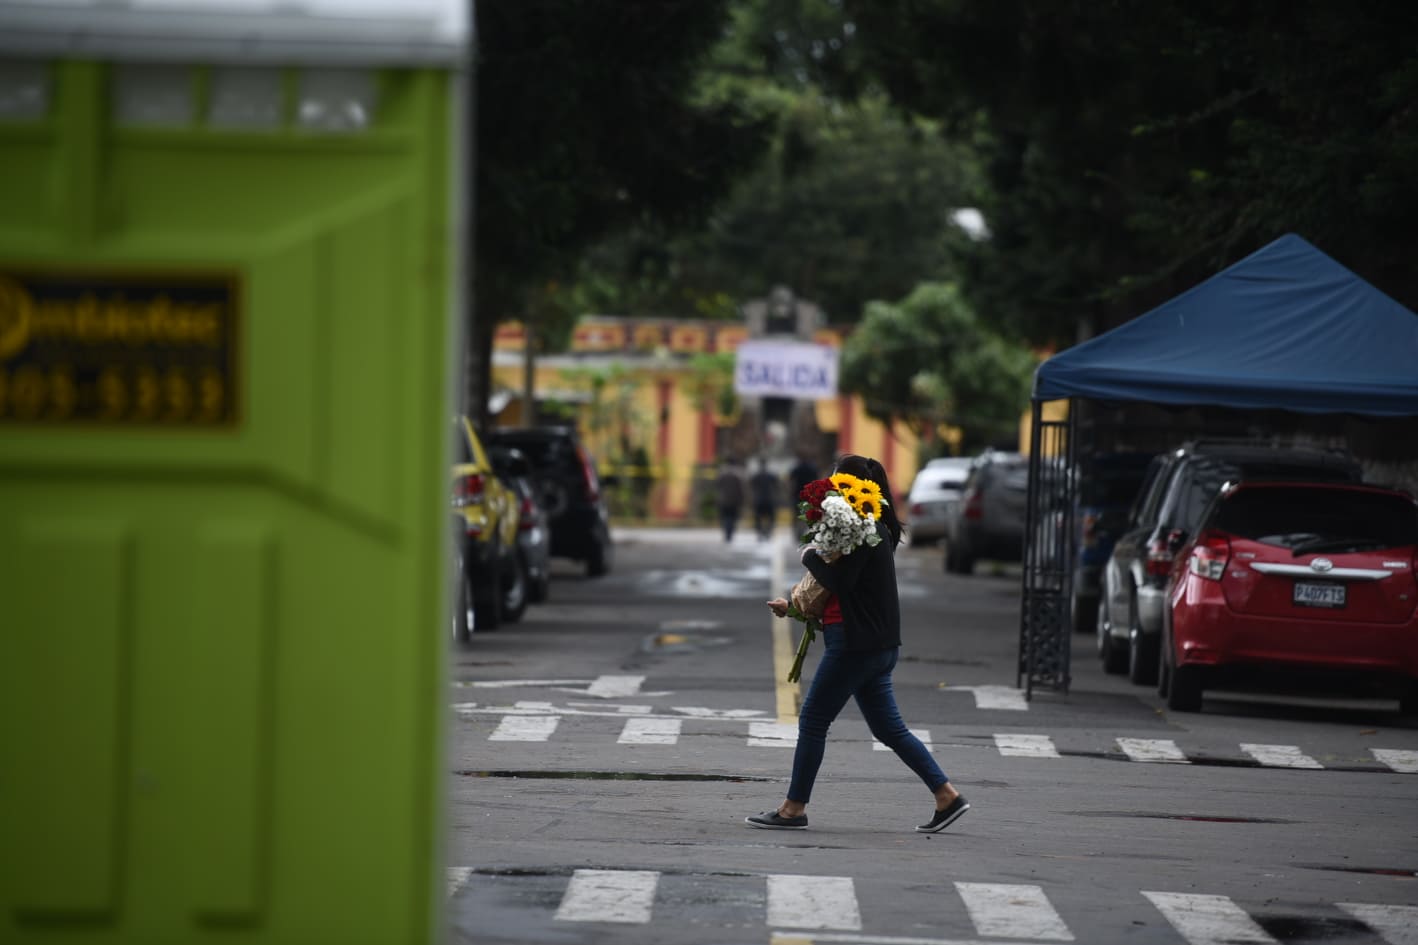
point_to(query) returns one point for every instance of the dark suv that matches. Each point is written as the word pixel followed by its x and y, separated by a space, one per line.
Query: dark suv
pixel 1165 515
pixel 988 519
pixel 569 490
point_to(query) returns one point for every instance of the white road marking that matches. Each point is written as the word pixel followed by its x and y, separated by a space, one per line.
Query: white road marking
pixel 772 735
pixel 995 697
pixel 1026 746
pixel 613 687
pixel 524 728
pixel 1012 911
pixel 813 902
pixel 1397 925
pixel 1155 750
pixel 1209 920
pixel 609 896
pixel 458 878
pixel 1280 756
pixel 650 732
pixel 847 938
pixel 924 734
pixel 519 683
pixel 470 709
pixel 1404 762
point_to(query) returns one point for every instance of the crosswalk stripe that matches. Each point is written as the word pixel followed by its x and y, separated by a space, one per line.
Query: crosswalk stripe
pixel 923 734
pixel 1005 910
pixel 812 902
pixel 772 735
pixel 1026 746
pixel 1397 925
pixel 1404 762
pixel 1154 750
pixel 650 732
pixel 458 878
pixel 1209 920
pixel 1280 756
pixel 524 728
pixel 1007 698
pixel 609 896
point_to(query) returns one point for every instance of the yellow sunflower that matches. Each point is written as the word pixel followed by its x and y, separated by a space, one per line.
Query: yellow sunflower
pixel 866 505
pixel 846 484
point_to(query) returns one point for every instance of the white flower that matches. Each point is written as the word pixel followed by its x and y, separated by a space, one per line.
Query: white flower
pixel 841 530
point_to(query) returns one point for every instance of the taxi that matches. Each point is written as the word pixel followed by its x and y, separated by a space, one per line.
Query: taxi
pixel 485 518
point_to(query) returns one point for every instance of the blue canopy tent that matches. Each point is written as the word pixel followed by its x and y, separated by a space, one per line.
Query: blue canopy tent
pixel 1285 328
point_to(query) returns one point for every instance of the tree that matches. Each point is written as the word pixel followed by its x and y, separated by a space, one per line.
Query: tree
pixel 1133 148
pixel 929 361
pixel 588 120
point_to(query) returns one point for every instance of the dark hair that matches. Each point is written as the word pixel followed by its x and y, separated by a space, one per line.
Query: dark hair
pixel 864 467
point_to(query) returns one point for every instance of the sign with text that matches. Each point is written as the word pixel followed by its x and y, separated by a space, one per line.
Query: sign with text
pixel 793 369
pixel 118 349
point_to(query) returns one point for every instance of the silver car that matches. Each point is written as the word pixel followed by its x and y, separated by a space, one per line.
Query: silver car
pixel 939 484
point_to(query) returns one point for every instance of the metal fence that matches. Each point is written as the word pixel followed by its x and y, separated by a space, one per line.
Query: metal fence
pixel 1045 628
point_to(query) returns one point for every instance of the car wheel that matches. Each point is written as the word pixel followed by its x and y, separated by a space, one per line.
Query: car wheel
pixel 957 559
pixel 1113 656
pixel 514 594
pixel 463 617
pixel 1084 612
pixel 540 587
pixel 488 611
pixel 1143 651
pixel 598 562
pixel 1408 698
pixel 1184 689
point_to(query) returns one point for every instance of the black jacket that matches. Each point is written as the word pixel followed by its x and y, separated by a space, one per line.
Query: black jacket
pixel 865 584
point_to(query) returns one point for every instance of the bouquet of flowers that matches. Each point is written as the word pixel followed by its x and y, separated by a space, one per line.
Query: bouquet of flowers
pixel 841 514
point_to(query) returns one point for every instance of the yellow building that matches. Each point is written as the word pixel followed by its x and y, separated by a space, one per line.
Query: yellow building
pixel 644 409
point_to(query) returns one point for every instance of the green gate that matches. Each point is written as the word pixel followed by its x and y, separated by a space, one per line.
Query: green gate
pixel 225 288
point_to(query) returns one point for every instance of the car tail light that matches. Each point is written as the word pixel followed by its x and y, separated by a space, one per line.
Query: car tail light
pixel 916 508
pixel 1160 554
pixel 1210 556
pixel 525 512
pixel 974 505
pixel 468 490
pixel 588 475
pixel 1090 530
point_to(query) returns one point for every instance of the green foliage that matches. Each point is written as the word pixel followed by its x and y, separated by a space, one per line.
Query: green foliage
pixel 1135 147
pixel 590 118
pixel 927 360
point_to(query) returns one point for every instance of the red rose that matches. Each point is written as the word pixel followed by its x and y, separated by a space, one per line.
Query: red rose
pixel 813 515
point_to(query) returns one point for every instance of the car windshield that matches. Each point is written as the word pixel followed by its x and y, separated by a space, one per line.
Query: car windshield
pixel 1307 520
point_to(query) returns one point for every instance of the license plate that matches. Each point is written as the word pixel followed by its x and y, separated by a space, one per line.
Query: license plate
pixel 1319 595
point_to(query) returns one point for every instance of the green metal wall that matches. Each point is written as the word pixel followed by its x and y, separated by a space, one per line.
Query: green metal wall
pixel 220 645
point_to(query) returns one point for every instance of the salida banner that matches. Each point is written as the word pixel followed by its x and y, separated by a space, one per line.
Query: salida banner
pixel 793 369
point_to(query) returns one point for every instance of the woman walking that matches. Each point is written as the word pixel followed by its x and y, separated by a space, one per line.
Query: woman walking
pixel 861 633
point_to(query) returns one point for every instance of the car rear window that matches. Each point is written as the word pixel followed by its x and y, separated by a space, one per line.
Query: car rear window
pixel 1300 518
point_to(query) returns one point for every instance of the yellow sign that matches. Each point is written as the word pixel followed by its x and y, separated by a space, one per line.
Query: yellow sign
pixel 81 347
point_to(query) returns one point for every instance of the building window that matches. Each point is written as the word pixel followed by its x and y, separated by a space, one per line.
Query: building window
pixel 336 100
pixel 152 95
pixel 24 91
pixel 245 98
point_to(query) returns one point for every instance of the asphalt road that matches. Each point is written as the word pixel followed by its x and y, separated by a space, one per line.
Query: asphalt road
pixel 605 751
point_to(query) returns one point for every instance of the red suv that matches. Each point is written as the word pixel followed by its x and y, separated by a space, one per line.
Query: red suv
pixel 1313 579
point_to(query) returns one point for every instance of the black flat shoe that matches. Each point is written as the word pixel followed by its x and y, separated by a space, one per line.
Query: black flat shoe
pixel 944 818
pixel 772 820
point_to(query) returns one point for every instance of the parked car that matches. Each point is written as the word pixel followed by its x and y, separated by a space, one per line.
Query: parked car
pixel 1129 622
pixel 486 512
pixel 1108 484
pixel 533 533
pixel 1313 579
pixel 988 520
pixel 937 485
pixel 569 490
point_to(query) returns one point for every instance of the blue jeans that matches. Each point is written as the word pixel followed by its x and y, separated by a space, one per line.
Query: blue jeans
pixel 865 675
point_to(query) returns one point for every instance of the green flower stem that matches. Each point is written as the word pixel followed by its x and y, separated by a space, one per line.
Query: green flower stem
pixel 810 627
